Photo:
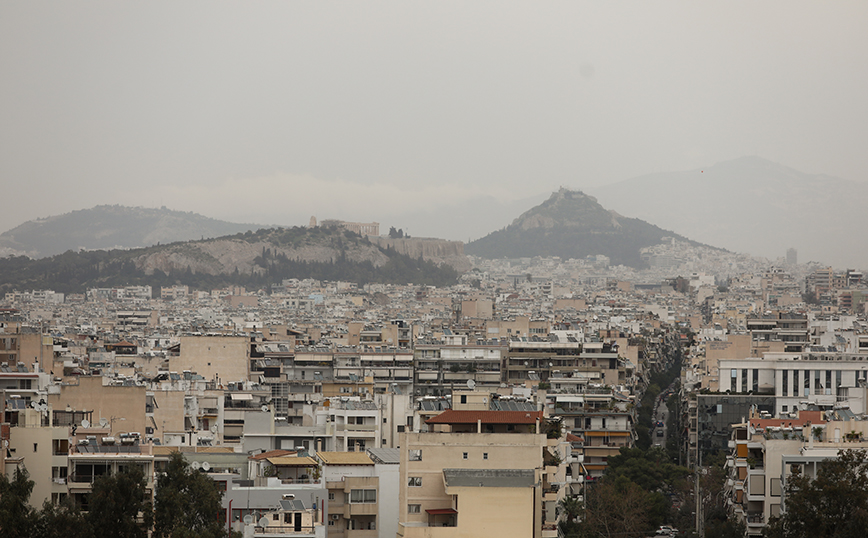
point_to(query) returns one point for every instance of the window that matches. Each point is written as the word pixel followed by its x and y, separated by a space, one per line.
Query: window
pixel 401 429
pixel 331 495
pixel 414 508
pixel 414 455
pixel 784 408
pixel 485 455
pixel 35 446
pixel 463 398
pixel 363 496
pixel 384 420
pixel 415 481
pixel 464 456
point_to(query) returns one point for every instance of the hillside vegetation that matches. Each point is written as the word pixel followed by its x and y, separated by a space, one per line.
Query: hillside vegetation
pixel 571 224
pixel 250 259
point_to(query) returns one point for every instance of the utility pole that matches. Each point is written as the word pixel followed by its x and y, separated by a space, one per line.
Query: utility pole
pixel 696 498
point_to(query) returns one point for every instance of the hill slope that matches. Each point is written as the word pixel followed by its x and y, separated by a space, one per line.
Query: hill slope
pixel 252 259
pixel 109 227
pixel 571 224
pixel 753 205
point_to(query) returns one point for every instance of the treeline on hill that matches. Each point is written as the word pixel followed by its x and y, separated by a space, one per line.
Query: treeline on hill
pixel 622 247
pixel 75 272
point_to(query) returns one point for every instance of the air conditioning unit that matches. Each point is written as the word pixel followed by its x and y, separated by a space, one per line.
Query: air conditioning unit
pixel 336 517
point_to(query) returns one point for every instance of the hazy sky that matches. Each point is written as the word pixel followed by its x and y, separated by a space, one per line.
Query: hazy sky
pixel 274 111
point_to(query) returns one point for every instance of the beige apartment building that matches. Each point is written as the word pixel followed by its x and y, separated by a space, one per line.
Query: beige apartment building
pixel 224 359
pixel 478 473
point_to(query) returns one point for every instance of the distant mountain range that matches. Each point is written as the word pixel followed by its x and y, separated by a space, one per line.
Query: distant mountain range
pixel 251 259
pixel 571 224
pixel 112 227
pixel 756 206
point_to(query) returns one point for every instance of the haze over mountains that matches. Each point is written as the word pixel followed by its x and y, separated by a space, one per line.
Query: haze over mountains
pixel 755 206
pixel 112 226
pixel 747 205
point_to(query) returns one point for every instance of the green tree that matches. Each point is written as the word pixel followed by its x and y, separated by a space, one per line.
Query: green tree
pixel 119 506
pixel 17 518
pixel 62 519
pixel 187 503
pixel 571 510
pixel 834 504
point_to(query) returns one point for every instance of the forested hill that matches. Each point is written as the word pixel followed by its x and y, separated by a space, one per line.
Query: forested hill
pixel 571 224
pixel 252 259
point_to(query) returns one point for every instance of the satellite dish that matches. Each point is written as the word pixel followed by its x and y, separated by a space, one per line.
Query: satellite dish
pixel 248 519
pixel 214 429
pixel 263 521
pixel 5 443
pixel 471 384
pixel 206 466
pixel 103 422
pixel 85 423
pixel 265 409
pixel 196 465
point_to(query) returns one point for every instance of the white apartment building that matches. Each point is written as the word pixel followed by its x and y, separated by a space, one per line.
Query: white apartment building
pixel 824 379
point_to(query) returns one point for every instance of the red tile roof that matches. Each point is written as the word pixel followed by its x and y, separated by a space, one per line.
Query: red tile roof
pixel 805 417
pixel 487 417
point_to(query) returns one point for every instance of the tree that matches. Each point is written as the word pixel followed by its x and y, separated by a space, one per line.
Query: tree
pixel 396 234
pixel 16 516
pixel 62 519
pixel 834 504
pixel 187 503
pixel 571 509
pixel 119 506
pixel 615 508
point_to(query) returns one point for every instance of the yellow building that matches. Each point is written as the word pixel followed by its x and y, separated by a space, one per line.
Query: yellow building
pixel 479 473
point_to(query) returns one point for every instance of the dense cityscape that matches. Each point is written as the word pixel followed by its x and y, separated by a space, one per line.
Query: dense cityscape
pixel 559 397
pixel 446 269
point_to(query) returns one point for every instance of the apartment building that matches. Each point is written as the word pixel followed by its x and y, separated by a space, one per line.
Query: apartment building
pixel 453 361
pixel 822 379
pixel 761 448
pixel 478 473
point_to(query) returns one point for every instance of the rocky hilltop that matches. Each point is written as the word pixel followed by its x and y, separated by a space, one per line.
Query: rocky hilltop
pixel 438 251
pixel 571 224
pixel 252 259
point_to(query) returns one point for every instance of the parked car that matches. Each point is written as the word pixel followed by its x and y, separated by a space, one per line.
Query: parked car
pixel 666 530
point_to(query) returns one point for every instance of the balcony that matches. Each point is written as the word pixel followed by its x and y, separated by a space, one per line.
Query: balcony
pixel 360 509
pixel 370 428
pixel 755 520
pixel 362 533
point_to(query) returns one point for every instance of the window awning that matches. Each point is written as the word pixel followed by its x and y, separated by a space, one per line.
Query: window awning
pixel 241 397
pixel 442 511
